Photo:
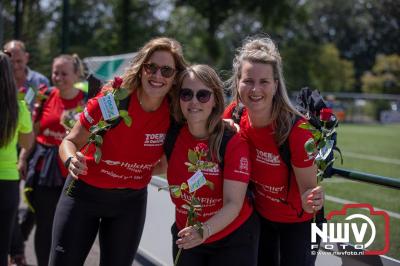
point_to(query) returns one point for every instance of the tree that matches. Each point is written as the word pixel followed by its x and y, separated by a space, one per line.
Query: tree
pixel 384 77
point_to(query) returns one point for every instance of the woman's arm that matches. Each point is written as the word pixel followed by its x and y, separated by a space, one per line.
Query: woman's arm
pixel 312 196
pixel 70 146
pixel 234 193
pixel 26 142
pixel 161 167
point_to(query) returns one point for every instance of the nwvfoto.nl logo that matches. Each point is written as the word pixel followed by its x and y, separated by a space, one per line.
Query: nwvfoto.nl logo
pixel 358 226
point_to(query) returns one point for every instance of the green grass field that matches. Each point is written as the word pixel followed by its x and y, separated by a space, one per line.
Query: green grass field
pixel 373 149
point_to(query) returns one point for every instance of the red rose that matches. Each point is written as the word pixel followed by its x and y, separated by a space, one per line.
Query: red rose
pixel 325 114
pixel 22 89
pixel 117 82
pixel 201 147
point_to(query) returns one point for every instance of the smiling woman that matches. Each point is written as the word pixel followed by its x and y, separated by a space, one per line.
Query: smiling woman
pixel 108 195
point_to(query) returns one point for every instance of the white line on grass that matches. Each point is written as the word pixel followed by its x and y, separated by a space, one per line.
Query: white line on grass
pixel 343 201
pixel 371 158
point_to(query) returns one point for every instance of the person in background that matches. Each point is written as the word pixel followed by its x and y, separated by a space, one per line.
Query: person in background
pixel 16 127
pixel 229 225
pixel 44 171
pixel 285 196
pixel 109 197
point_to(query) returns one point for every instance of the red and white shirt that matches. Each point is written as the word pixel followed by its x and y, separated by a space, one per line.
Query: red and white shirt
pixel 270 173
pixel 51 131
pixel 129 154
pixel 236 167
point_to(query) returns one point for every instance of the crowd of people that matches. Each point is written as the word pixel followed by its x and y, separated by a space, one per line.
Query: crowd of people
pixel 90 179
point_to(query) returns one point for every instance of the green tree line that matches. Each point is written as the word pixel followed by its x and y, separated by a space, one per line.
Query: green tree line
pixel 342 45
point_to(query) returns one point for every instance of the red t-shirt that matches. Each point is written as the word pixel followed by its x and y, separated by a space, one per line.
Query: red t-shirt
pixel 51 131
pixel 128 153
pixel 269 172
pixel 236 167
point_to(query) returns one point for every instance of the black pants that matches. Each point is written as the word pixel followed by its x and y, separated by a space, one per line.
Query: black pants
pixel 237 249
pixel 117 214
pixel 44 201
pixel 9 198
pixel 285 244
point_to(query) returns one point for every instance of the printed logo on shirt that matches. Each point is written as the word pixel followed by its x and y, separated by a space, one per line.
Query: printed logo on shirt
pixel 268 158
pixel 124 177
pixel 211 171
pixel 57 135
pixel 154 140
pixel 134 167
pixel 243 166
pixel 87 116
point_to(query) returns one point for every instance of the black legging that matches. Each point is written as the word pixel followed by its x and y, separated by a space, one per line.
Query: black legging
pixel 9 198
pixel 44 201
pixel 117 214
pixel 237 249
pixel 285 244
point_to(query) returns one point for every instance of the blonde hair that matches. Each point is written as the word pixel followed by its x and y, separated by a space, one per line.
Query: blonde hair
pixel 215 125
pixel 76 63
pixel 132 77
pixel 263 50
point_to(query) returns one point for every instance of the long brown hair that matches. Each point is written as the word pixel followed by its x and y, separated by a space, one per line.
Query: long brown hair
pixel 132 77
pixel 8 101
pixel 263 50
pixel 215 125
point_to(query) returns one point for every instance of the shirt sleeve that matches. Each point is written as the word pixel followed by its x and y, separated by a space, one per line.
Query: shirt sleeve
pixel 298 137
pixel 25 121
pixel 91 115
pixel 228 110
pixel 237 161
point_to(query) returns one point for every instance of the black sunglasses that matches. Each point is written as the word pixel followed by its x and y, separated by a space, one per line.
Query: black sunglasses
pixel 152 68
pixel 202 96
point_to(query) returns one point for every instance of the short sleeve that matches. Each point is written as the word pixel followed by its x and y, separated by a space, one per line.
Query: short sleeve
pixel 237 161
pixel 25 121
pixel 91 115
pixel 298 137
pixel 228 110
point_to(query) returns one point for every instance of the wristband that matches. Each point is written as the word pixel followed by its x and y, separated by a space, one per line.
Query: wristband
pixel 208 228
pixel 68 161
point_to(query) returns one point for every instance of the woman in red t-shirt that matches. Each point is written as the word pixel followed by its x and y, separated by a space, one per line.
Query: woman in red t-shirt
pixel 266 122
pixel 229 227
pixel 45 172
pixel 109 197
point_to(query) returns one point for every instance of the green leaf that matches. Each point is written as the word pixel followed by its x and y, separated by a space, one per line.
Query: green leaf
pixel 195 201
pixel 307 126
pixel 97 155
pixel 309 146
pixel 192 155
pixel 127 120
pixel 121 94
pixel 123 113
pixel 175 191
pixel 101 124
pixel 93 129
pixel 184 186
pixel 210 184
pixel 192 168
pixel 98 140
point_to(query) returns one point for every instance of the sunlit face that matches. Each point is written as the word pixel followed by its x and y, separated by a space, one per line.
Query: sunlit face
pixel 63 74
pixel 155 85
pixel 257 86
pixel 19 60
pixel 201 103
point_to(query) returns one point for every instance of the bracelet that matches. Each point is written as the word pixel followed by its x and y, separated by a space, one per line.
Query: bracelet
pixel 68 161
pixel 208 227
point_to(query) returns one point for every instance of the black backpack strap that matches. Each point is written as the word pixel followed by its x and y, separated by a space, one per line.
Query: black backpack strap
pixel 171 136
pixel 228 134
pixel 284 152
pixel 237 113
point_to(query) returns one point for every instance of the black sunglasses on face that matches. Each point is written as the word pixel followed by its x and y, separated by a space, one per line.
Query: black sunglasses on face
pixel 152 68
pixel 202 96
